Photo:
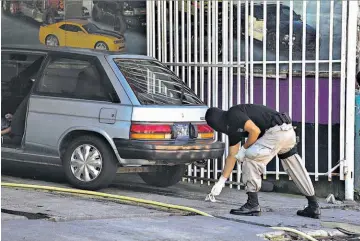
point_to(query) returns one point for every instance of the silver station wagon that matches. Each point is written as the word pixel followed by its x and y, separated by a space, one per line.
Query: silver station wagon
pixel 100 113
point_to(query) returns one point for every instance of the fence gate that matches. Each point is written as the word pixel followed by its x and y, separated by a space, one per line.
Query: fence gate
pixel 294 56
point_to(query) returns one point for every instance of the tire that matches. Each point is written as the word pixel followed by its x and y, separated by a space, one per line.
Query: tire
pixel 120 24
pixel 105 163
pixel 52 38
pixel 101 46
pixel 167 176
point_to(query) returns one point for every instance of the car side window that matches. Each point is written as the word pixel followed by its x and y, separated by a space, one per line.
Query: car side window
pixel 64 27
pixel 77 79
pixel 70 28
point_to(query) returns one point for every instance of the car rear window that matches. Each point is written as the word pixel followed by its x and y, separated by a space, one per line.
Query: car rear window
pixel 154 83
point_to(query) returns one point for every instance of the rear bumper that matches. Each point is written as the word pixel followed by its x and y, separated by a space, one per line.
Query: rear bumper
pixel 173 152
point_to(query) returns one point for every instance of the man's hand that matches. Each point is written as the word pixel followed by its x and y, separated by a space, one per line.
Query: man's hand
pixel 217 188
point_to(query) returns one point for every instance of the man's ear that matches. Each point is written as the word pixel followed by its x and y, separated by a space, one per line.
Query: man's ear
pixel 250 127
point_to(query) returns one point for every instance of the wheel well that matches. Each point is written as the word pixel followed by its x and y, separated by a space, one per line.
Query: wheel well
pixel 101 42
pixel 75 134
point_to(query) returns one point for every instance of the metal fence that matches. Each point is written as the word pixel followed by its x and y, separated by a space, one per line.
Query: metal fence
pixel 295 56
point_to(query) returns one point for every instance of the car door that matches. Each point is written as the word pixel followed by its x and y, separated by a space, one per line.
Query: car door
pixel 73 93
pixel 19 71
pixel 74 36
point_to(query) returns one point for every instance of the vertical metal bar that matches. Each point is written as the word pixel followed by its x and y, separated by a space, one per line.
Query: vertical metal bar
pixel 342 86
pixel 164 32
pixel 238 38
pixel 176 9
pixel 209 73
pixel 148 26
pixel 153 28
pixel 225 59
pixel 252 52
pixel 317 91
pixel 215 83
pixel 291 56
pixel 171 34
pixel 159 30
pixel 264 62
pixel 238 84
pixel 202 70
pixel 196 47
pixel 350 98
pixel 189 35
pixel 183 38
pixel 246 51
pixel 331 35
pixel 277 71
pixel 195 3
pixel 231 56
pixel 303 86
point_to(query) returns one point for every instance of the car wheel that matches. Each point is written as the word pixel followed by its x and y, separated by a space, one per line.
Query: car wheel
pixel 165 177
pixel 51 40
pixel 101 46
pixel 89 163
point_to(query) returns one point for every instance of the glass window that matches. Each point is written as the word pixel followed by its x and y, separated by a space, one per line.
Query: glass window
pixel 91 28
pixel 72 78
pixel 153 83
pixel 18 72
pixel 71 28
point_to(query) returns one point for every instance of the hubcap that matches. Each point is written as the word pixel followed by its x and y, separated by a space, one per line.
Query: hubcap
pixel 86 163
pixel 52 41
pixel 101 46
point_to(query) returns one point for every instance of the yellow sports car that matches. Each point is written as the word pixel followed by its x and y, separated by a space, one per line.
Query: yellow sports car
pixel 80 34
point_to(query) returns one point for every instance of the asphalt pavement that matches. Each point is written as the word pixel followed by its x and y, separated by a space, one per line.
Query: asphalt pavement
pixel 41 213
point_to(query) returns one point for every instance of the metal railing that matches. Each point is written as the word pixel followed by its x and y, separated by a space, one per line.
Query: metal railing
pixel 294 56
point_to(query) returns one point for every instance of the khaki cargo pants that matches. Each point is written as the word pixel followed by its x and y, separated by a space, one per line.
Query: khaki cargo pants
pixel 278 139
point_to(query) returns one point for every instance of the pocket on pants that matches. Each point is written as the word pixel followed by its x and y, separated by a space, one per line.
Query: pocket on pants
pixel 260 152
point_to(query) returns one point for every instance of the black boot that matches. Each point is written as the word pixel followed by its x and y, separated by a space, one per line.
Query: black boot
pixel 312 210
pixel 250 208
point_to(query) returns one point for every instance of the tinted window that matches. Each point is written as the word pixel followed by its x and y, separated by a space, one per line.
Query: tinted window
pixel 91 28
pixel 153 83
pixel 71 78
pixel 70 28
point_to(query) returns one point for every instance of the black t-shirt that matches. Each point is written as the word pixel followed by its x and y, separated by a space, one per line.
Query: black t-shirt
pixel 237 116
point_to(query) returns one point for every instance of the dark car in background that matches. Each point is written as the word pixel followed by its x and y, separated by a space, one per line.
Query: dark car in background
pixel 122 15
pixel 283 28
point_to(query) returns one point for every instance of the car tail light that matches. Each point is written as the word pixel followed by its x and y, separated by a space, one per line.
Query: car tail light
pixel 150 131
pixel 205 132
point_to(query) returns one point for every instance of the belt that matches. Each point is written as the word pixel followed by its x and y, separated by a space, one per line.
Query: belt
pixel 280 119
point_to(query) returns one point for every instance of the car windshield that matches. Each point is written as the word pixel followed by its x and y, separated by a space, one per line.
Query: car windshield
pixel 153 83
pixel 91 28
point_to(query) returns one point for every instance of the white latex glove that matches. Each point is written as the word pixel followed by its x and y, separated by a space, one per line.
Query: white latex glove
pixel 240 155
pixel 217 188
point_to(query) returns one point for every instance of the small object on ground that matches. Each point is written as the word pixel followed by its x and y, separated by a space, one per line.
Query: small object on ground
pixel 210 197
pixel 331 199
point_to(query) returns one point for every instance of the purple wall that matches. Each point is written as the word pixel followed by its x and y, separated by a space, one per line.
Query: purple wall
pixel 296 101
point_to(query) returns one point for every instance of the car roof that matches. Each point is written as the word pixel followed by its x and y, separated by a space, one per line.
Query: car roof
pixel 69 50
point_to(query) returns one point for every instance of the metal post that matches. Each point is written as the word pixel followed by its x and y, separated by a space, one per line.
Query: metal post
pixel 350 98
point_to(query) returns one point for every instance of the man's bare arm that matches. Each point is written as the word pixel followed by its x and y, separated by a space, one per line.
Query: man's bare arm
pixel 253 131
pixel 230 160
